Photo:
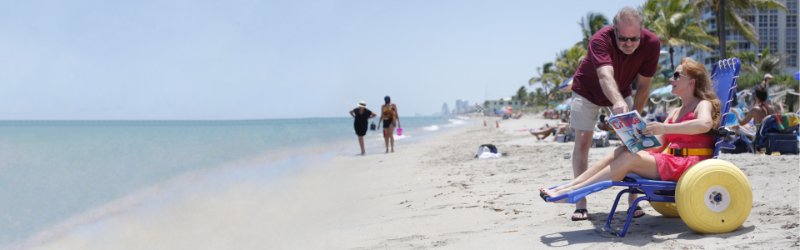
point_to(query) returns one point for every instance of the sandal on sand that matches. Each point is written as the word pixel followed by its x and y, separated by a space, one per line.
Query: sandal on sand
pixel 638 209
pixel 584 214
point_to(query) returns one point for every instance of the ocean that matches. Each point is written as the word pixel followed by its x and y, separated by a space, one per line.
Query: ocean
pixel 55 171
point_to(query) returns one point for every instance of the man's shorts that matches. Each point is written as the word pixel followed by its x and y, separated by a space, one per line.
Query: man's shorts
pixel 583 113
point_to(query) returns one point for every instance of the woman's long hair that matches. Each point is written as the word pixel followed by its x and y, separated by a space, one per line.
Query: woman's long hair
pixel 702 87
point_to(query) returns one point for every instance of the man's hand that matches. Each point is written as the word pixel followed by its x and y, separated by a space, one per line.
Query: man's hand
pixel 619 108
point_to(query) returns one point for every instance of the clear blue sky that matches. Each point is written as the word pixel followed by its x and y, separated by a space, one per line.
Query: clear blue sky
pixel 246 59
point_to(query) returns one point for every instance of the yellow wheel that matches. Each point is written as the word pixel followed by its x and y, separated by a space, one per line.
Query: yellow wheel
pixel 714 196
pixel 667 209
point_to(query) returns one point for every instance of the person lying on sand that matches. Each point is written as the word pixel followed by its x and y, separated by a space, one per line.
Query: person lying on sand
pixel 547 130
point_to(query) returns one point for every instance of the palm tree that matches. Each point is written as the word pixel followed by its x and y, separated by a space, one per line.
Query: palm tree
pixel 748 60
pixel 590 25
pixel 728 10
pixel 568 61
pixel 522 94
pixel 673 22
pixel 768 63
pixel 547 77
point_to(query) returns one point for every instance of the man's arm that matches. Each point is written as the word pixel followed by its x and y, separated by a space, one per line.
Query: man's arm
pixel 642 91
pixel 606 76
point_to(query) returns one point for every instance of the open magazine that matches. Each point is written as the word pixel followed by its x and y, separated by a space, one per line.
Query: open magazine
pixel 629 127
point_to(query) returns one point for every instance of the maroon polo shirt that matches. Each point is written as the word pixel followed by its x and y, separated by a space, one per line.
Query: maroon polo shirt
pixel 603 51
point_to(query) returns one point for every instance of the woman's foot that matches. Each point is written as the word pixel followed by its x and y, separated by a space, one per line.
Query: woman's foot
pixel 547 194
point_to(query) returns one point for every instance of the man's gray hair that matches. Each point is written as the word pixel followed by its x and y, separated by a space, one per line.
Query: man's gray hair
pixel 628 15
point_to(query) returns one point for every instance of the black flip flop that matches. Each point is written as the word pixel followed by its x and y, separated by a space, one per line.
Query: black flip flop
pixel 581 211
pixel 638 208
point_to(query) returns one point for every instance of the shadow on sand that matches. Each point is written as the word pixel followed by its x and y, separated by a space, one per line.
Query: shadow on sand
pixel 642 231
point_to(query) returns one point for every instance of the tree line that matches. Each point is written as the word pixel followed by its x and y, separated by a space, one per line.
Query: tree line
pixel 679 25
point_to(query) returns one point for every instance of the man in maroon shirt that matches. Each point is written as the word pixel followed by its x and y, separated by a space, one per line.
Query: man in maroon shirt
pixel 618 55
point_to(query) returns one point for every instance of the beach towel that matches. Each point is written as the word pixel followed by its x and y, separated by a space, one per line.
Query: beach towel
pixel 486 151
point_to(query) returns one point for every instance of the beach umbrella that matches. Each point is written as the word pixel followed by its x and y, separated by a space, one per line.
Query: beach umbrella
pixel 564 105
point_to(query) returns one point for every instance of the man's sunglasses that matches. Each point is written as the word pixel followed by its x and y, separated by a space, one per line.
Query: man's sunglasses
pixel 631 39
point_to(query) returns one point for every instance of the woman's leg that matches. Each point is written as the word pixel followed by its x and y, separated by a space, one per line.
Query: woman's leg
pixel 641 163
pixel 604 162
pixel 542 133
pixel 361 143
pixel 386 137
pixel 391 137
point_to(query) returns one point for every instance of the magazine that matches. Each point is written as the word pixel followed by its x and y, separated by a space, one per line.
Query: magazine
pixel 629 127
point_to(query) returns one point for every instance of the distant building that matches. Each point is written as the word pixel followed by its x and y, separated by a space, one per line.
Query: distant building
pixel 462 107
pixel 777 30
pixel 492 106
pixel 445 110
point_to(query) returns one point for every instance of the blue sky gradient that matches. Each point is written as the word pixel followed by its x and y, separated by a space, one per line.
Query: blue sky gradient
pixel 272 59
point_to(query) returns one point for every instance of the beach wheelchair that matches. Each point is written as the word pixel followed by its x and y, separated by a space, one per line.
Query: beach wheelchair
pixel 713 196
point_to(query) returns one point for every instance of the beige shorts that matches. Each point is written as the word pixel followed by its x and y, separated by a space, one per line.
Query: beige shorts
pixel 583 113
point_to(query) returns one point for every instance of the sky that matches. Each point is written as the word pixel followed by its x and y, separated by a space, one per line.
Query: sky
pixel 247 59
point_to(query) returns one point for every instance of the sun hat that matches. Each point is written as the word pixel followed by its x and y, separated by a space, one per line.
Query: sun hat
pixel 362 104
pixel 767 76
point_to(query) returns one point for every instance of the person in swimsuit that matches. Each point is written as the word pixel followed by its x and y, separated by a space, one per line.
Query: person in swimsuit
pixel 547 130
pixel 687 134
pixel 761 107
pixel 389 118
pixel 361 115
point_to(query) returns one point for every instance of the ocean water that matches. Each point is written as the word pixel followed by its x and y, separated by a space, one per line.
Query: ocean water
pixel 51 171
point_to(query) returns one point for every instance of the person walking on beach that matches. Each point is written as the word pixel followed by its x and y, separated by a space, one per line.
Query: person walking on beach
pixel 361 115
pixel 618 56
pixel 690 126
pixel 389 118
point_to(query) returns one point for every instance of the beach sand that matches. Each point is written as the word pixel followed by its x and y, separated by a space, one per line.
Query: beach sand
pixel 432 194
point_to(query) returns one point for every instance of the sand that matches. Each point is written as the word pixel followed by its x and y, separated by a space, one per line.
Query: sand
pixel 431 194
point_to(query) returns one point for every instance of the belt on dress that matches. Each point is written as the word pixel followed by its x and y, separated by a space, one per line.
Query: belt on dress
pixel 690 151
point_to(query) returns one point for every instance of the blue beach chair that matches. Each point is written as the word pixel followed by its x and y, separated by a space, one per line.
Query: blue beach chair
pixel 719 197
pixel 778 133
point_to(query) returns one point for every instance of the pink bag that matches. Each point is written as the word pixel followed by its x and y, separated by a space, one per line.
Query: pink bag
pixel 399 131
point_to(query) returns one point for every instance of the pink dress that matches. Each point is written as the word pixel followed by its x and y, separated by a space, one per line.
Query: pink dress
pixel 671 167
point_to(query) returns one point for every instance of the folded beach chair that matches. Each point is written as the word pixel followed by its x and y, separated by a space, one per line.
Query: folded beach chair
pixel 718 198
pixel 778 133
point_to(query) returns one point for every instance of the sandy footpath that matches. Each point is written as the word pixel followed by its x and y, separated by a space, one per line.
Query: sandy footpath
pixel 434 194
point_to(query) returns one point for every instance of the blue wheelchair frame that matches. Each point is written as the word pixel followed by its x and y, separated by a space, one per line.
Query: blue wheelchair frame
pixel 724 76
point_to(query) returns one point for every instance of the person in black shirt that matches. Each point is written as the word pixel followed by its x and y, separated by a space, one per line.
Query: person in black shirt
pixel 361 115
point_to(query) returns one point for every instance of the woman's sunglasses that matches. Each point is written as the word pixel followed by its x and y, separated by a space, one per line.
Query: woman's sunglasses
pixel 676 76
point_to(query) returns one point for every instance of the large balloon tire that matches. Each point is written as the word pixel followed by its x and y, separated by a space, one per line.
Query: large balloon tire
pixel 666 209
pixel 714 196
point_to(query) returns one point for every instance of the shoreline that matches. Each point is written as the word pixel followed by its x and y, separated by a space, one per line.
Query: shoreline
pixel 433 193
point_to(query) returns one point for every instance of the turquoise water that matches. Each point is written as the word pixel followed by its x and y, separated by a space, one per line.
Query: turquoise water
pixel 54 170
